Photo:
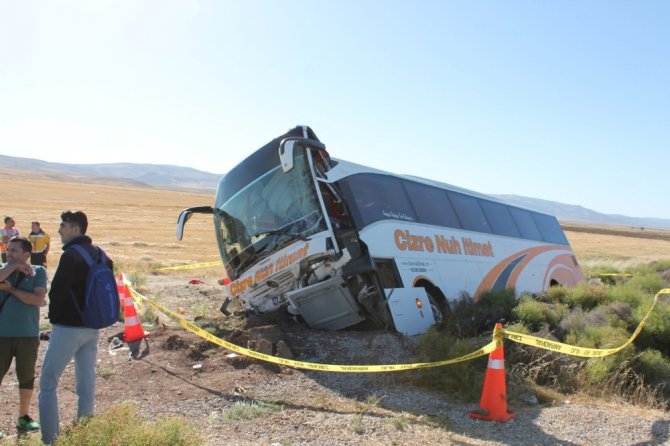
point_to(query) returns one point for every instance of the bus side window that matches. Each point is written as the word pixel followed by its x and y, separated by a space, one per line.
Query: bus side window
pixel 378 197
pixel 470 212
pixel 550 229
pixel 431 205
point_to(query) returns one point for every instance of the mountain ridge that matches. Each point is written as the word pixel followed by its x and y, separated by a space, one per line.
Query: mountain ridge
pixel 188 178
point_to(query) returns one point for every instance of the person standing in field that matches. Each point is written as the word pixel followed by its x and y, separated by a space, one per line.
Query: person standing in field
pixel 6 233
pixel 69 338
pixel 41 242
pixel 23 289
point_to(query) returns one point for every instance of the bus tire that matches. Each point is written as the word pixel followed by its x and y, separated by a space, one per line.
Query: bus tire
pixel 438 303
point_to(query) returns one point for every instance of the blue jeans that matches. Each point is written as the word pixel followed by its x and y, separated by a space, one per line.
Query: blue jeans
pixel 65 343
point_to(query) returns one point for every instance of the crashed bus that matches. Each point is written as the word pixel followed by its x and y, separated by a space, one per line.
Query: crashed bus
pixel 337 243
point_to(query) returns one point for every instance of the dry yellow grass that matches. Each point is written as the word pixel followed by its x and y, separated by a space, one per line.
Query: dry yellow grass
pixel 136 226
pixel 620 248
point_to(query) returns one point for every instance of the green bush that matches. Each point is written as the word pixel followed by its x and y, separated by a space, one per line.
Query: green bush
pixel 656 331
pixel 558 294
pixel 518 327
pixel 574 321
pixel 649 282
pixel 587 296
pixel 617 315
pixel 629 294
pixel 655 368
pixel 467 318
pixel 593 336
pixel 655 267
pixel 534 314
pixel 598 370
pixel 463 379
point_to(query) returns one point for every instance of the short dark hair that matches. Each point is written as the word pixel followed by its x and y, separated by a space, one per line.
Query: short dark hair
pixel 7 218
pixel 77 218
pixel 36 223
pixel 26 246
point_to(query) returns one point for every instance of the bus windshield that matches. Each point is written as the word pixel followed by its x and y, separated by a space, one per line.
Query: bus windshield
pixel 259 208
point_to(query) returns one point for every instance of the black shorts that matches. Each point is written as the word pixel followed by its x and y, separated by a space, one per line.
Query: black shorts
pixel 25 352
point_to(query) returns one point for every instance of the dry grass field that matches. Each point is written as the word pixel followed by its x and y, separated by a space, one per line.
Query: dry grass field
pixel 617 245
pixel 136 226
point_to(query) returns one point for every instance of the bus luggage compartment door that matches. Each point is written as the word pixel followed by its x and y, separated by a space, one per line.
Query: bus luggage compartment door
pixel 410 309
pixel 327 305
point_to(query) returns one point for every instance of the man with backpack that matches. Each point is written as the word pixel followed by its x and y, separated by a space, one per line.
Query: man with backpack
pixel 23 289
pixel 71 335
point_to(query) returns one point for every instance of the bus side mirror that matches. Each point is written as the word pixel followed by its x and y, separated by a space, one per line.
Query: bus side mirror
pixel 286 154
pixel 186 214
pixel 183 218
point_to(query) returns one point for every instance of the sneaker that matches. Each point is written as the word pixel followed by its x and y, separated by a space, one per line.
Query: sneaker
pixel 27 423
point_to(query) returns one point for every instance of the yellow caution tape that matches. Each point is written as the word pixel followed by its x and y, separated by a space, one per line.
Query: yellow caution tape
pixel 579 351
pixel 488 348
pixel 189 266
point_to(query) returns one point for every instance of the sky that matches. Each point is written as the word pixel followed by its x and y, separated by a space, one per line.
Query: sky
pixel 565 100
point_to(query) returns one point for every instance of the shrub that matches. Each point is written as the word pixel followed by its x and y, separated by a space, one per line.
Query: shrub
pixel 529 367
pixel 463 379
pixel 618 315
pixel 112 427
pixel 656 331
pixel 649 282
pixel 598 370
pixel 467 318
pixel 655 368
pixel 625 383
pixel 593 336
pixel 534 314
pixel 629 294
pixel 248 410
pixel 587 296
pixel 656 266
pixel 558 294
pixel 574 320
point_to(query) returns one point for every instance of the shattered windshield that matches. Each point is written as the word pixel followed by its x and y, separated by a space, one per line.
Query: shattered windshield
pixel 260 208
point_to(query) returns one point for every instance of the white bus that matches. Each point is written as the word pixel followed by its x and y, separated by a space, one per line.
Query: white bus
pixel 337 243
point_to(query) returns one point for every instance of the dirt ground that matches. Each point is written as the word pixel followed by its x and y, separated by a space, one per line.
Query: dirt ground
pixel 184 375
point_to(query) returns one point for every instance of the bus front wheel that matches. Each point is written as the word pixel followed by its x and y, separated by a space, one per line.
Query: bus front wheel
pixel 438 303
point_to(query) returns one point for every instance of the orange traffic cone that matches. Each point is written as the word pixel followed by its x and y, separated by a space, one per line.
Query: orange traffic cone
pixel 493 403
pixel 132 328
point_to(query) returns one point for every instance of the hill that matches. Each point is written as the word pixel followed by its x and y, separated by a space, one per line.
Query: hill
pixel 186 178
pixel 155 175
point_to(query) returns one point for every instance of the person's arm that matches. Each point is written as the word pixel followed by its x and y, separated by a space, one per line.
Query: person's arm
pixel 10 267
pixel 6 270
pixel 36 298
